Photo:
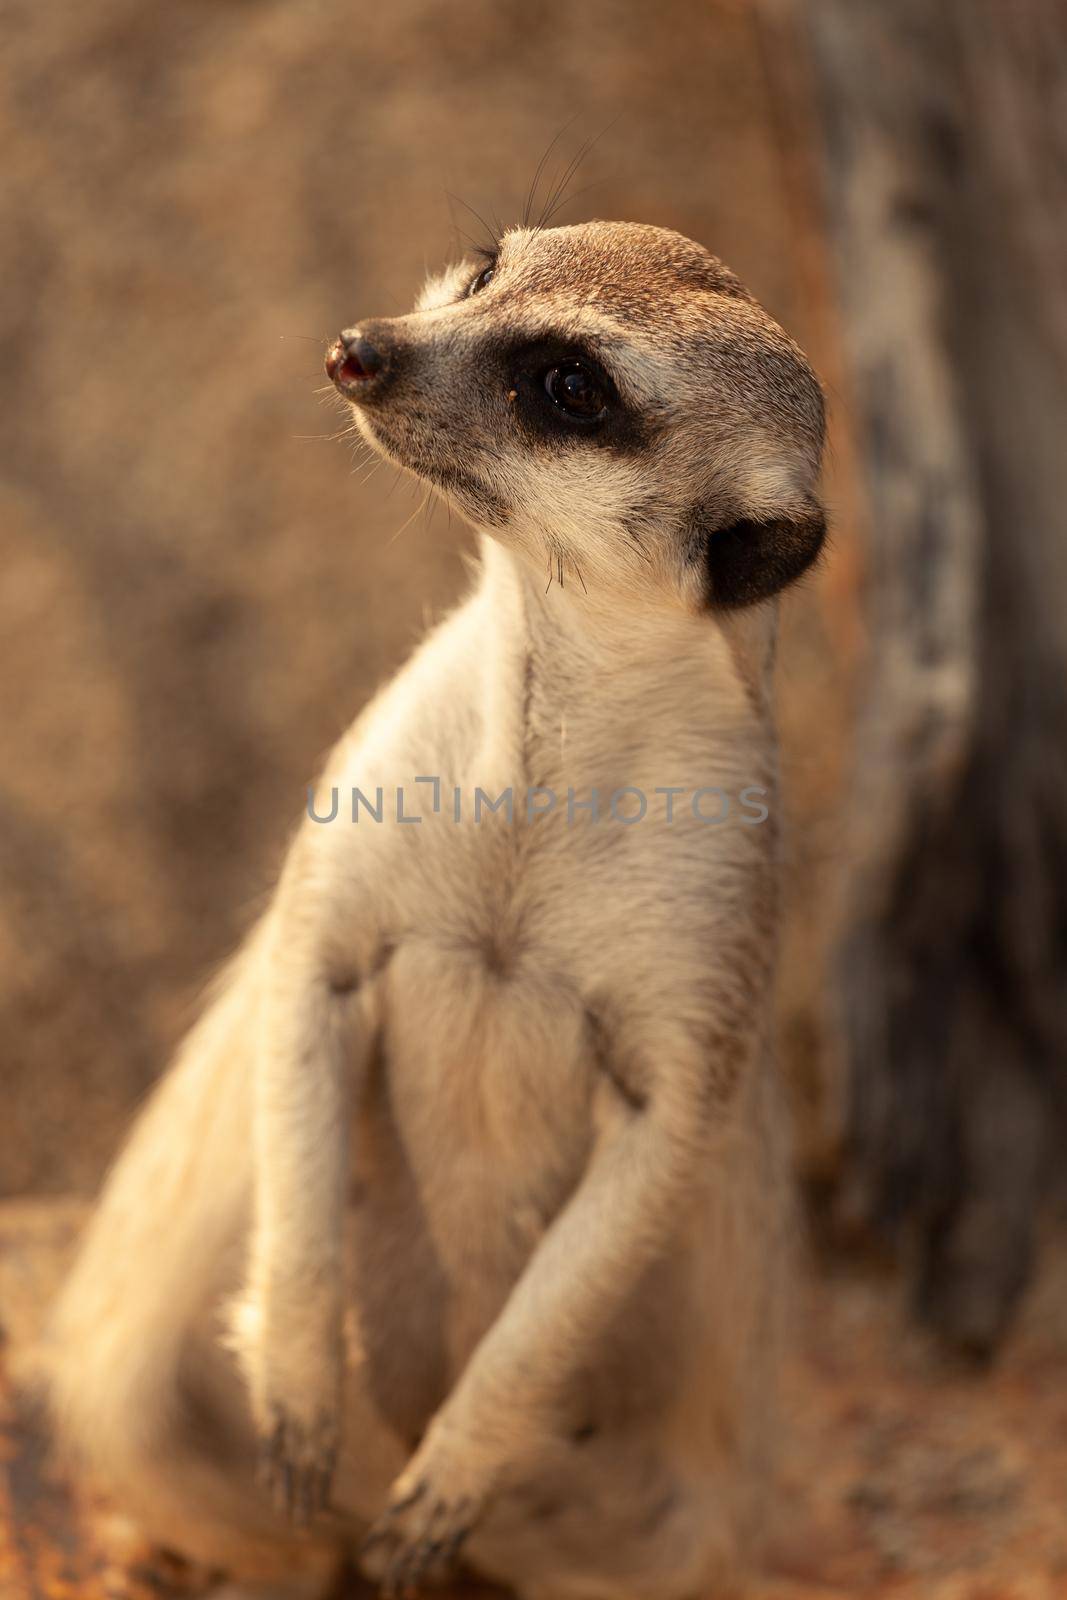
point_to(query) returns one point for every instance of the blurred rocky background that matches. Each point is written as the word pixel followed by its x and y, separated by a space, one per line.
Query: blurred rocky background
pixel 200 585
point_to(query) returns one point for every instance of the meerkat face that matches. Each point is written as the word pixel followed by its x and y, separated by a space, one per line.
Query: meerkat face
pixel 609 401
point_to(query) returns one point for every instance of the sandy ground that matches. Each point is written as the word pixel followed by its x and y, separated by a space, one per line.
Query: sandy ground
pixel 904 1479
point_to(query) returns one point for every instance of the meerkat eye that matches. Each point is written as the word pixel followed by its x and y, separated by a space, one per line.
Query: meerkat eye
pixel 576 391
pixel 484 278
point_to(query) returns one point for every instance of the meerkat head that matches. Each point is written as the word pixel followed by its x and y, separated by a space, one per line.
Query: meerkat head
pixel 609 401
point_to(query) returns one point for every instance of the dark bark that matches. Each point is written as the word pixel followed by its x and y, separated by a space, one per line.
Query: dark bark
pixel 946 162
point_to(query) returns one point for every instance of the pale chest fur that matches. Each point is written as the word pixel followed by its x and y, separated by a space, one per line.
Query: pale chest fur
pixel 510 949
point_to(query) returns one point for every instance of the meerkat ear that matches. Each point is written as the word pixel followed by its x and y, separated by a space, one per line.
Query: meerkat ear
pixel 755 558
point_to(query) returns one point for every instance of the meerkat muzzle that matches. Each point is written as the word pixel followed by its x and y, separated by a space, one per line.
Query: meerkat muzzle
pixel 352 361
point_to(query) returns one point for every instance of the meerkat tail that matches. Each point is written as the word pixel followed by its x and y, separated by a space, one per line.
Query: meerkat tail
pixel 137 1376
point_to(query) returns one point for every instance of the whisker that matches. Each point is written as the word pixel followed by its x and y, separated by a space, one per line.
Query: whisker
pixel 569 199
pixel 422 507
pixel 398 479
pixel 560 185
pixel 556 198
pixel 368 474
pixel 471 240
pixel 527 210
pixel 493 237
pixel 330 438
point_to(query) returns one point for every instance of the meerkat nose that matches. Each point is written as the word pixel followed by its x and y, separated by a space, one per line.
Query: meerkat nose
pixel 352 360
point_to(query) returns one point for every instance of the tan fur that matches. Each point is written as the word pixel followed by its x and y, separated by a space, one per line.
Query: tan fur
pixel 472 1175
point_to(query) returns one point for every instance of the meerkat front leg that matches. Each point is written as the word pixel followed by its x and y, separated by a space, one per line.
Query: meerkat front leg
pixel 288 1324
pixel 504 1413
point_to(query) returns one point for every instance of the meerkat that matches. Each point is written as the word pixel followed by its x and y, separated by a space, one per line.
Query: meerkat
pixel 458 1229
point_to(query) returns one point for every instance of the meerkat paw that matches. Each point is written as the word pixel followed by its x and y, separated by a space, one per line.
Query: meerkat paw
pixel 296 1462
pixel 435 1503
pixel 293 1367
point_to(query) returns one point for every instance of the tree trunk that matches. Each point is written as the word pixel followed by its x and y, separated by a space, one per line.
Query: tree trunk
pixel 945 143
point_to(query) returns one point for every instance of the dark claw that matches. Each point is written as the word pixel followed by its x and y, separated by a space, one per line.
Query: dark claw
pixel 299 1489
pixel 436 1559
pixel 453 1545
pixel 422 1561
pixel 429 1556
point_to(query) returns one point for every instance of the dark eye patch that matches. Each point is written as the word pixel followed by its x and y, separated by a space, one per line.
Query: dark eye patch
pixel 529 368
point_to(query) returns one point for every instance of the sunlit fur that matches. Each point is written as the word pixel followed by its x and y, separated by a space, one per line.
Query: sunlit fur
pixel 473 1170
